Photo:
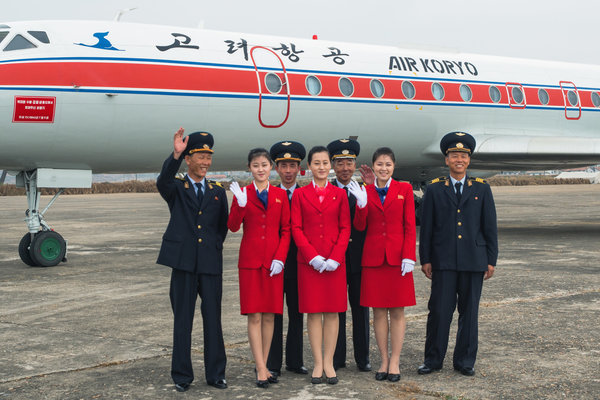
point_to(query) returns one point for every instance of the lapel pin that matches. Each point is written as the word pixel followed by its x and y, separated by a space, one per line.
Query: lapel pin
pixel 476 198
pixel 216 197
pixel 400 196
pixel 186 185
pixel 277 201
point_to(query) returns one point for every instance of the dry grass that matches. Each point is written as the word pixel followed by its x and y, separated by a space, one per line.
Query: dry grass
pixel 150 186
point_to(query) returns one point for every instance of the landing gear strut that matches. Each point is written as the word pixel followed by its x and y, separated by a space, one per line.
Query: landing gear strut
pixel 41 246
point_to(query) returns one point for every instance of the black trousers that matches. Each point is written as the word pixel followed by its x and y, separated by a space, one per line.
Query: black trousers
pixel 360 327
pixel 185 286
pixel 449 288
pixel 294 340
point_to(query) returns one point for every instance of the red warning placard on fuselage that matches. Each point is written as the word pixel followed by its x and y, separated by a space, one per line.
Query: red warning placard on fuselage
pixel 34 109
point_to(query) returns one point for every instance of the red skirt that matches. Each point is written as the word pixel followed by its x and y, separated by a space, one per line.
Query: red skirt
pixel 322 292
pixel 385 287
pixel 259 292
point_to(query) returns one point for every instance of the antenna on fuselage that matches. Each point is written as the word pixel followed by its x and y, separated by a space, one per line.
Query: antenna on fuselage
pixel 123 11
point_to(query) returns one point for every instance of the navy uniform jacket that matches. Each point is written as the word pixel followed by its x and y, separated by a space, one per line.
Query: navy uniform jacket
pixel 460 237
pixel 357 240
pixel 193 241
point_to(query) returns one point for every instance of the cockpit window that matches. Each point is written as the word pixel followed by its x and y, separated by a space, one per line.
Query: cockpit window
pixel 40 35
pixel 4 26
pixel 19 43
pixel 3 35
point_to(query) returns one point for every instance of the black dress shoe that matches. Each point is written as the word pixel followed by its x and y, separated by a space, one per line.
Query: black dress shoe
pixel 182 387
pixel 273 379
pixel 467 371
pixel 333 380
pixel 365 368
pixel 316 380
pixel 219 384
pixel 275 373
pixel 381 376
pixel 336 367
pixel 299 370
pixel 393 377
pixel 426 369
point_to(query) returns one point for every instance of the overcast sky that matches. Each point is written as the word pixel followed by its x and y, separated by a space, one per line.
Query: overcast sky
pixel 544 29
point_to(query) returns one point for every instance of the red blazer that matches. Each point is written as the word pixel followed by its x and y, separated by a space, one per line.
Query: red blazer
pixel 391 230
pixel 321 228
pixel 266 232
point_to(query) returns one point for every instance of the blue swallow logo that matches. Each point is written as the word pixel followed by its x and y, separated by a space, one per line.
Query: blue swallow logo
pixel 103 42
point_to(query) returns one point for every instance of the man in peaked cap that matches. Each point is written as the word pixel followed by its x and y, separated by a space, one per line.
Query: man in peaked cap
pixel 343 154
pixel 193 247
pixel 287 156
pixel 458 249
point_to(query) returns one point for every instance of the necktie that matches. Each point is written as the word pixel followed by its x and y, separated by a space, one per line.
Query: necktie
pixel 457 185
pixel 263 196
pixel 289 194
pixel 382 193
pixel 320 193
pixel 200 193
pixel 346 189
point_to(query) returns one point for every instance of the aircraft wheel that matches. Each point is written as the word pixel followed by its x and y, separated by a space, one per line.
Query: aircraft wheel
pixel 24 253
pixel 48 248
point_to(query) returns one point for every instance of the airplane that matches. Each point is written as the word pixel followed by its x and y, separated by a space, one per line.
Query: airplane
pixel 78 97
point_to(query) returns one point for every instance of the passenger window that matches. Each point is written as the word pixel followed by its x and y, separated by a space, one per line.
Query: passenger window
pixel 573 98
pixel 19 43
pixel 543 96
pixel 273 83
pixel 408 90
pixel 40 35
pixel 596 99
pixel 495 94
pixel 465 93
pixel 313 85
pixel 377 88
pixel 2 36
pixel 517 95
pixel 346 87
pixel 437 91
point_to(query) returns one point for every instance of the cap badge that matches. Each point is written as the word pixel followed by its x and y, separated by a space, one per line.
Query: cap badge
pixel 286 143
pixel 344 140
pixel 205 146
pixel 287 155
pixel 345 152
pixel 460 134
pixel 459 145
pixel 204 134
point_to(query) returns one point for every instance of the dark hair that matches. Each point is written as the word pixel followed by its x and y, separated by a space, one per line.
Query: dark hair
pixel 383 151
pixel 258 152
pixel 317 149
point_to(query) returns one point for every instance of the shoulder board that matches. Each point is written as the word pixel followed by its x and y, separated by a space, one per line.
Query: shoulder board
pixel 440 179
pixel 181 178
pixel 478 180
pixel 214 183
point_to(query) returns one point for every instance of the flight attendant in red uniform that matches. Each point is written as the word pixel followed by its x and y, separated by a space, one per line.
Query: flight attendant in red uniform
pixel 388 257
pixel 321 230
pixel 265 212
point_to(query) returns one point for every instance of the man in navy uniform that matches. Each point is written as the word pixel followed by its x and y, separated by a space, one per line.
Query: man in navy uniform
pixel 287 156
pixel 458 250
pixel 343 153
pixel 193 247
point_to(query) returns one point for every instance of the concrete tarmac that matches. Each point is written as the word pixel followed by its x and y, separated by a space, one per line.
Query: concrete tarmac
pixel 100 325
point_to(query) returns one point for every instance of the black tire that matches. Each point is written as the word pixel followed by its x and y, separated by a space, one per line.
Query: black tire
pixel 24 250
pixel 48 248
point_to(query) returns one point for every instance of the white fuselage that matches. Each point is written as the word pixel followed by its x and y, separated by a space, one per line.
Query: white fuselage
pixel 117 92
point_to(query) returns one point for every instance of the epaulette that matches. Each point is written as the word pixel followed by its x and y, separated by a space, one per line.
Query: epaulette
pixel 478 180
pixel 440 179
pixel 211 182
pixel 180 176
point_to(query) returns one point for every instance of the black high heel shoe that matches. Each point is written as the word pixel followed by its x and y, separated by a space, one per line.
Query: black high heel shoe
pixel 381 376
pixel 333 380
pixel 261 384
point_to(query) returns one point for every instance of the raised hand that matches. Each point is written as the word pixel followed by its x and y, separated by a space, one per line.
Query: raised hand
pixel 367 174
pixel 359 192
pixel 179 143
pixel 240 194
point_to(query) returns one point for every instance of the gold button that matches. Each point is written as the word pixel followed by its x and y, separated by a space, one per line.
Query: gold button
pixel 460 236
pixel 199 212
pixel 199 240
pixel 460 224
pixel 199 226
pixel 458 210
pixel 350 240
pixel 383 233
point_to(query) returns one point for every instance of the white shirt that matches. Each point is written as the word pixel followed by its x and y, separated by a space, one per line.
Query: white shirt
pixel 291 189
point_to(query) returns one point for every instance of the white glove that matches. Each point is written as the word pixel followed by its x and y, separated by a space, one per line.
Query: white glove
pixel 359 192
pixel 408 266
pixel 331 265
pixel 276 267
pixel 317 263
pixel 240 194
